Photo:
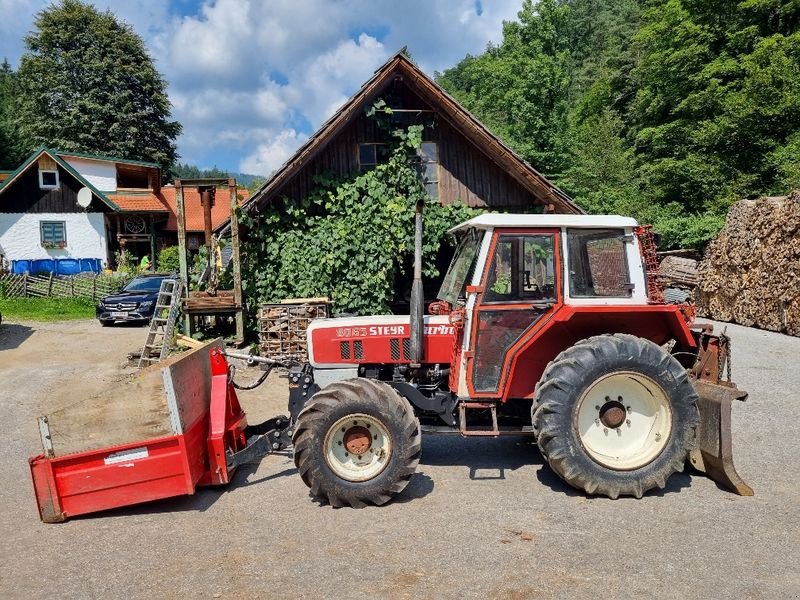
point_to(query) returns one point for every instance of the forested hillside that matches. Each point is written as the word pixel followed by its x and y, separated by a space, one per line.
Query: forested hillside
pixel 665 109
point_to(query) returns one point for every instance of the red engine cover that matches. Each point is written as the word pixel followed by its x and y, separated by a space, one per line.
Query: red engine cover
pixel 383 339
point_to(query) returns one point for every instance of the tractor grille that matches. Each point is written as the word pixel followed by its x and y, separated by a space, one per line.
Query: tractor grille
pixel 394 344
pixel 344 349
pixel 406 348
pixel 358 349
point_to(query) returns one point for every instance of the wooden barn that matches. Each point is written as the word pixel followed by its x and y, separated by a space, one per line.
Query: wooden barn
pixel 461 161
pixel 464 161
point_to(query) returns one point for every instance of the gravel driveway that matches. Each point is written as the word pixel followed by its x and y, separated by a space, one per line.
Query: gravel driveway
pixel 481 518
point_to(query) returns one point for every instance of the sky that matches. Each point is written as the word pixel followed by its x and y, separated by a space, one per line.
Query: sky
pixel 250 80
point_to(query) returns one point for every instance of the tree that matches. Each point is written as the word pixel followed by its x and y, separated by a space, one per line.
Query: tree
pixel 717 100
pixel 87 84
pixel 520 88
pixel 9 151
pixel 187 171
pixel 666 110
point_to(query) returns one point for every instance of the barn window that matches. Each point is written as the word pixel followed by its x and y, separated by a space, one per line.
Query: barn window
pixel 48 180
pixel 53 234
pixel 429 167
pixel 370 155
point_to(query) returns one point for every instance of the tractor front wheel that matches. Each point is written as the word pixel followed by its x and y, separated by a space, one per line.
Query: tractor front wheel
pixel 615 415
pixel 356 443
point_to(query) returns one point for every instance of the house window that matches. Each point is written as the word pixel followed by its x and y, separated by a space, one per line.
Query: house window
pixel 370 155
pixel 53 234
pixel 429 167
pixel 48 180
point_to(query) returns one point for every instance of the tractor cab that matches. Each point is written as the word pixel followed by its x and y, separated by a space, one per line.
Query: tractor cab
pixel 511 273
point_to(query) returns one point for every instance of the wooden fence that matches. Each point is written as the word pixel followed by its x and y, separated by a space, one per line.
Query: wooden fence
pixel 90 286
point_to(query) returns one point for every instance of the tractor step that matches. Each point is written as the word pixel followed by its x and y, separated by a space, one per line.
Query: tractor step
pixel 465 429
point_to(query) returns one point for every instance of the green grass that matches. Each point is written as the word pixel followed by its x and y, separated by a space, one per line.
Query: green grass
pixel 46 309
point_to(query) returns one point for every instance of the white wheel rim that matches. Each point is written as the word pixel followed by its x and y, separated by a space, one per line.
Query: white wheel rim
pixel 357 447
pixel 629 438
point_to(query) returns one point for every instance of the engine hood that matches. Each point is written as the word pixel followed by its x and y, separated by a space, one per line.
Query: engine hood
pixel 348 341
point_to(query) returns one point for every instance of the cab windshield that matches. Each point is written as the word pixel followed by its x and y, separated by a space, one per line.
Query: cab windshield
pixel 461 267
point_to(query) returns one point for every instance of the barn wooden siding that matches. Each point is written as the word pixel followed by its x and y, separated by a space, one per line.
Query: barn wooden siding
pixel 466 174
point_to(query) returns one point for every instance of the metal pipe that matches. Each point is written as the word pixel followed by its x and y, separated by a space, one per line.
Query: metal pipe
pixel 251 359
pixel 417 297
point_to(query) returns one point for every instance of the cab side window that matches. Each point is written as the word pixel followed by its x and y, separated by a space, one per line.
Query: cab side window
pixel 598 264
pixel 522 269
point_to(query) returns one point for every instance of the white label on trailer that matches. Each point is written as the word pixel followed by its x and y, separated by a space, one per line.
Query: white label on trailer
pixel 126 455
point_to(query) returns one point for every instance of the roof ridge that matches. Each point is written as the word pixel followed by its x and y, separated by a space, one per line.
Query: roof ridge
pixel 106 158
pixel 526 175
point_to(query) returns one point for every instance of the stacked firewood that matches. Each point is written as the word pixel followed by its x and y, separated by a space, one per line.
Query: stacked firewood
pixel 282 326
pixel 751 271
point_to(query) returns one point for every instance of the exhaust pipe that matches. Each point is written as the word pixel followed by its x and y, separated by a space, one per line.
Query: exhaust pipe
pixel 417 297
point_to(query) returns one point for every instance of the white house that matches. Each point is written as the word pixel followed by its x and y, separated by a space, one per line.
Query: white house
pixel 75 210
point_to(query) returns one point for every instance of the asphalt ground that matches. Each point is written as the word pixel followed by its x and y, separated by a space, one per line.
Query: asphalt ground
pixel 482 518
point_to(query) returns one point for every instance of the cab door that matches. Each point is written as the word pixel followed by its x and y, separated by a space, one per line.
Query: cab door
pixel 519 288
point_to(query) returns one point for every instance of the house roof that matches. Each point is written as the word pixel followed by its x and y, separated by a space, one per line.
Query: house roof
pixel 448 108
pixel 220 211
pixel 139 202
pixel 64 165
pixel 124 161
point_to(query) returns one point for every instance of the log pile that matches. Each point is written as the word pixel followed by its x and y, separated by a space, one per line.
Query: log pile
pixel 676 271
pixel 751 271
pixel 282 327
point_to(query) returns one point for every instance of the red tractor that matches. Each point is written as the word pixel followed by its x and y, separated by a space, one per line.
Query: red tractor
pixel 546 325
pixel 552 326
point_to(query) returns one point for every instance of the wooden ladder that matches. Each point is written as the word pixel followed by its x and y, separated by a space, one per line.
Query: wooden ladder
pixel 156 347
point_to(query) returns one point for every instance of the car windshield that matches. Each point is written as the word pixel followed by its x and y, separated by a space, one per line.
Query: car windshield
pixel 144 284
pixel 455 282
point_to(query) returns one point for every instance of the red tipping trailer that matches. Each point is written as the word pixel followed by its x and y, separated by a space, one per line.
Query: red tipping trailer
pixel 209 439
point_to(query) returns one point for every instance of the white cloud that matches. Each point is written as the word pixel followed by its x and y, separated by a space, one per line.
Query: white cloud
pixel 250 79
pixel 275 149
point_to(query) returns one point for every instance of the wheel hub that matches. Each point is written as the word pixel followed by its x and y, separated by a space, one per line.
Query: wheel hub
pixel 358 440
pixel 623 420
pixel 612 414
pixel 357 447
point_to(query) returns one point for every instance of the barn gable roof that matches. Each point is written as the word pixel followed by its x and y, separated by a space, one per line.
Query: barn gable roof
pixel 448 108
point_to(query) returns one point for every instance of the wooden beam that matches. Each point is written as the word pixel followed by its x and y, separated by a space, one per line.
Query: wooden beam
pixel 183 259
pixel 237 267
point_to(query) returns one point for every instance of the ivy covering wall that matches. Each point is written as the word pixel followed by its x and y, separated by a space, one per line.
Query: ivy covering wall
pixel 348 238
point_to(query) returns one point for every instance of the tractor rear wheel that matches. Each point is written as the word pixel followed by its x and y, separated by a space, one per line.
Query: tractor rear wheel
pixel 357 442
pixel 615 415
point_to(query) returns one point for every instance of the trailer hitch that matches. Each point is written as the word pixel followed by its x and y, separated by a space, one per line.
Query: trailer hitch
pixel 272 435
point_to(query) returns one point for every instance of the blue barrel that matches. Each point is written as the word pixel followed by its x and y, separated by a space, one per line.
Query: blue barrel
pixel 20 267
pixel 43 265
pixel 93 265
pixel 68 266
